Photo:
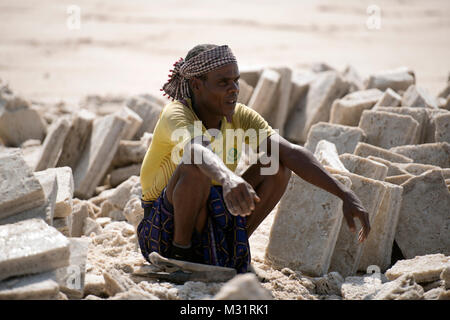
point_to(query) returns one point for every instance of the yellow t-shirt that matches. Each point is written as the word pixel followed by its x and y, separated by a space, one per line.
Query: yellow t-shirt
pixel 178 124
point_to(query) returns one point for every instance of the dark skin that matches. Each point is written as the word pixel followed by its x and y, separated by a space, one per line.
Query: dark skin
pixel 252 195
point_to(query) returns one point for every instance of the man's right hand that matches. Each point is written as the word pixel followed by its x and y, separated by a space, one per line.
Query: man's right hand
pixel 239 196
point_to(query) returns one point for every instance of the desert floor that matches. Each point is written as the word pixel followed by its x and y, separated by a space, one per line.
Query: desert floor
pixel 127 47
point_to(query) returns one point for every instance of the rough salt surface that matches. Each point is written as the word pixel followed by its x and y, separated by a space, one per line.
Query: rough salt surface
pixel 424 218
pixel 31 246
pixel 19 188
pixel 425 268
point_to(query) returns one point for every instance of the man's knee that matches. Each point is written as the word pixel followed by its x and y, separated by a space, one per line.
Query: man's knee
pixel 194 174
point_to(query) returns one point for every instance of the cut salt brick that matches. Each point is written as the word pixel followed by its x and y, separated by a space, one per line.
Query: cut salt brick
pixel 53 144
pixel 387 130
pixel 20 190
pixel 31 246
pixel 344 137
pixel 364 150
pixel 310 218
pixel 424 216
pixel 97 155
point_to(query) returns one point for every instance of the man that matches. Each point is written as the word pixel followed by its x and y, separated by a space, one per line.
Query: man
pixel 196 207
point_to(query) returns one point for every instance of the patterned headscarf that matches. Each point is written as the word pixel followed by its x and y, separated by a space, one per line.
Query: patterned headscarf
pixel 177 86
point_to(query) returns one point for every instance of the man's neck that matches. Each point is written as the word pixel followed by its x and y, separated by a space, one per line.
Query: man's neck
pixel 209 121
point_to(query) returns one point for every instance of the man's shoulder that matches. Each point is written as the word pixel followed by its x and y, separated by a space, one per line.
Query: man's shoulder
pixel 176 110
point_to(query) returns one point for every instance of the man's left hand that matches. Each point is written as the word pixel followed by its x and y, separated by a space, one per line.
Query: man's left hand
pixel 353 208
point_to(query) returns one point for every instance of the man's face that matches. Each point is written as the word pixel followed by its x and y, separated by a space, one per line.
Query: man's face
pixel 219 92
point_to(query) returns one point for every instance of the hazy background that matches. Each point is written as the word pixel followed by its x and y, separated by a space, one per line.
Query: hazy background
pixel 127 47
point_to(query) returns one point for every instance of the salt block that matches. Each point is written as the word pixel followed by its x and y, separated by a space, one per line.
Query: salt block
pixel 390 98
pixel 393 168
pixel 46 211
pixel 344 137
pixel 430 130
pixel 71 278
pixel 129 152
pixel 416 97
pixel 347 252
pixel 387 130
pixel 122 174
pixel 250 74
pixel 377 248
pixel 243 287
pixel 62 225
pixel 415 168
pixel 53 144
pixel 20 190
pixel 399 179
pixel 18 121
pixel 402 288
pixel 76 139
pixel 300 82
pixel 245 92
pixel 348 110
pixel 327 155
pixel 445 275
pixel 397 79
pixel 120 196
pixel 97 155
pixel 419 114
pixel 116 282
pixel 31 287
pixel 434 294
pixel 63 205
pixel 364 167
pixel 77 218
pixel 426 268
pixel 91 226
pixel 436 154
pixel 352 76
pixel 327 87
pixel 442 123
pixel 357 288
pixel 148 108
pixel 133 122
pixel 94 285
pixel 364 150
pixel 31 246
pixel 264 90
pixel 424 216
pixel 133 212
pixel 310 218
pixel 278 113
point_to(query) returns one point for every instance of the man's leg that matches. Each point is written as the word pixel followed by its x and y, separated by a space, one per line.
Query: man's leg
pixel 188 190
pixel 269 189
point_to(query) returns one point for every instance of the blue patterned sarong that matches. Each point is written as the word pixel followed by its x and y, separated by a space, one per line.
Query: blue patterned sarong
pixel 223 241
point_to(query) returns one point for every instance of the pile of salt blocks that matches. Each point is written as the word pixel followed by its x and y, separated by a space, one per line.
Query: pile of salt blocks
pixel 57 167
pixel 388 140
pixel 67 172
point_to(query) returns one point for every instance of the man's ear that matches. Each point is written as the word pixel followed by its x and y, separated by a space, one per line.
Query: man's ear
pixel 195 83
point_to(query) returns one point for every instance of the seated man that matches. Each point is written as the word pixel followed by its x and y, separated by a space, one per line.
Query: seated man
pixel 196 207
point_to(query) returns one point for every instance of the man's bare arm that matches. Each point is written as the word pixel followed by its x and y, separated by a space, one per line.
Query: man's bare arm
pixel 303 163
pixel 239 195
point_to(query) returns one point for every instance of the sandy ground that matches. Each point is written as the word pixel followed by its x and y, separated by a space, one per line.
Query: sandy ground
pixel 127 47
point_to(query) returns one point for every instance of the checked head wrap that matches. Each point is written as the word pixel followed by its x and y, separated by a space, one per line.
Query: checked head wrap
pixel 177 86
